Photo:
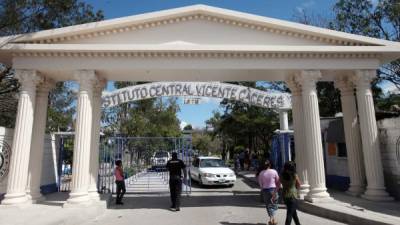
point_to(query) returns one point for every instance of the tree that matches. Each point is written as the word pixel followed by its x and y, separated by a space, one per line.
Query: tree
pixel 61 108
pixel 8 89
pixel 154 117
pixel 22 16
pixel 188 127
pixel 205 143
pixel 244 125
pixel 380 21
pixel 363 18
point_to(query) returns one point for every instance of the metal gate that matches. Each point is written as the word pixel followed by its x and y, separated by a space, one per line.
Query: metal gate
pixel 64 163
pixel 144 162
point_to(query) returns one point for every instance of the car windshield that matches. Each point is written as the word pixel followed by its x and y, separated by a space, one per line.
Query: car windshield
pixel 161 154
pixel 212 163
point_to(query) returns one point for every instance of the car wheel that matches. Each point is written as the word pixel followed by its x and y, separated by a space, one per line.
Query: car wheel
pixel 231 185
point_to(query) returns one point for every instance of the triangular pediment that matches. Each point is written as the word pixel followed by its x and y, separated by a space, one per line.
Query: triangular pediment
pixel 198 25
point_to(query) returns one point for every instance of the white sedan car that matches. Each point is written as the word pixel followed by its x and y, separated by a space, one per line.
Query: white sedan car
pixel 211 171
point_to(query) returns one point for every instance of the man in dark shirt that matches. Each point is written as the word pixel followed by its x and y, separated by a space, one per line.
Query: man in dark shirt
pixel 175 167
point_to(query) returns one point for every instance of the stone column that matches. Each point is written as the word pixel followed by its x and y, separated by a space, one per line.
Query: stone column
pixel 312 133
pixel 18 174
pixel 82 141
pixel 37 145
pixel 376 190
pixel 94 149
pixel 352 136
pixel 299 136
pixel 283 119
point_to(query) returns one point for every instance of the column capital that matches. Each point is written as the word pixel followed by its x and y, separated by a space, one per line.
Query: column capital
pixel 28 79
pixel 44 87
pixel 308 78
pixel 293 85
pixel 99 85
pixel 345 85
pixel 86 78
pixel 363 78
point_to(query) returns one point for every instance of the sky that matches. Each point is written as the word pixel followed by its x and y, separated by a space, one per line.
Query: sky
pixel 280 9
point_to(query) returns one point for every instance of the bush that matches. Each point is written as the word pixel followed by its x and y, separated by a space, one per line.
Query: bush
pixel 238 149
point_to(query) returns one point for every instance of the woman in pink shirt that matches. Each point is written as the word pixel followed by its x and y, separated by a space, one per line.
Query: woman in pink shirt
pixel 119 181
pixel 268 179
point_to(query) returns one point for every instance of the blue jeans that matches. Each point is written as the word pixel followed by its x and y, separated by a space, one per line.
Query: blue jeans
pixel 270 203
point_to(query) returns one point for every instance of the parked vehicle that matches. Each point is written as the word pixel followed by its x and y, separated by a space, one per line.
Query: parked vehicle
pixel 211 171
pixel 160 159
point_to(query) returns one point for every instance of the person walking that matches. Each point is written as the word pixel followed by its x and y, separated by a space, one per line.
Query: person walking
pixel 241 160
pixel 268 179
pixel 175 167
pixel 120 182
pixel 290 182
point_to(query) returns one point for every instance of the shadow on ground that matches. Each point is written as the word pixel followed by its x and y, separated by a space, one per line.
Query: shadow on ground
pixel 228 223
pixel 388 208
pixel 163 202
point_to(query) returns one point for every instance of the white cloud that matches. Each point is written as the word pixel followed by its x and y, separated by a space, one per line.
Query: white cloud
pixel 389 88
pixel 183 124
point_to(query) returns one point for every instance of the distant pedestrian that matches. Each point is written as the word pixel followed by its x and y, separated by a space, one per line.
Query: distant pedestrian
pixel 241 160
pixel 290 182
pixel 236 162
pixel 268 180
pixel 175 167
pixel 254 162
pixel 120 182
pixel 247 158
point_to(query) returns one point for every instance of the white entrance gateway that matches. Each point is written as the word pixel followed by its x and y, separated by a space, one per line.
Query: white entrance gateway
pixel 196 43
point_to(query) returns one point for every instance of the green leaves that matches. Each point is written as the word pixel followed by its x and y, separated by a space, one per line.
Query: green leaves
pixel 22 16
pixel 146 118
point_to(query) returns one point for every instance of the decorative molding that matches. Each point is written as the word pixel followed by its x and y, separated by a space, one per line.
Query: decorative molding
pixel 45 86
pixel 198 16
pixel 345 85
pixel 308 79
pixel 293 85
pixel 193 54
pixel 363 78
pixel 29 79
pixel 87 79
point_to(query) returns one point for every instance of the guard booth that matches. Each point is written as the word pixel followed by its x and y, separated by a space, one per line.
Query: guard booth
pixel 282 147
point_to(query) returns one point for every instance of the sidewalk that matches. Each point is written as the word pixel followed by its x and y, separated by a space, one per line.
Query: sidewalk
pixel 347 209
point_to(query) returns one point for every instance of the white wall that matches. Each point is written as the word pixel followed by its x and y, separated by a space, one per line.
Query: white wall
pixel 49 166
pixel 389 132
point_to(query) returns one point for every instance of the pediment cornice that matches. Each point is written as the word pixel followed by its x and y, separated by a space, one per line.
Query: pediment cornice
pixel 199 12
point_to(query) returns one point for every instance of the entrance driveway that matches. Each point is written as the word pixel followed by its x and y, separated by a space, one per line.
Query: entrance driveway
pixel 239 205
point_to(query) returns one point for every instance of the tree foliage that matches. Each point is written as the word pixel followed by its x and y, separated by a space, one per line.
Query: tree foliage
pixel 244 125
pixel 380 21
pixel 23 16
pixel 61 108
pixel 363 18
pixel 8 89
pixel 147 118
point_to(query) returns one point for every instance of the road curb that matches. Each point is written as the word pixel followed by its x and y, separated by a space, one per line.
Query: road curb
pixel 335 215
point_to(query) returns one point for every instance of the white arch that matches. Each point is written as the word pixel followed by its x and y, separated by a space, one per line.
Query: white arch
pixel 248 95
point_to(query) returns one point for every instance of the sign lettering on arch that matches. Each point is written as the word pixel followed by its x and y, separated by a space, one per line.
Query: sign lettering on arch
pixel 201 89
